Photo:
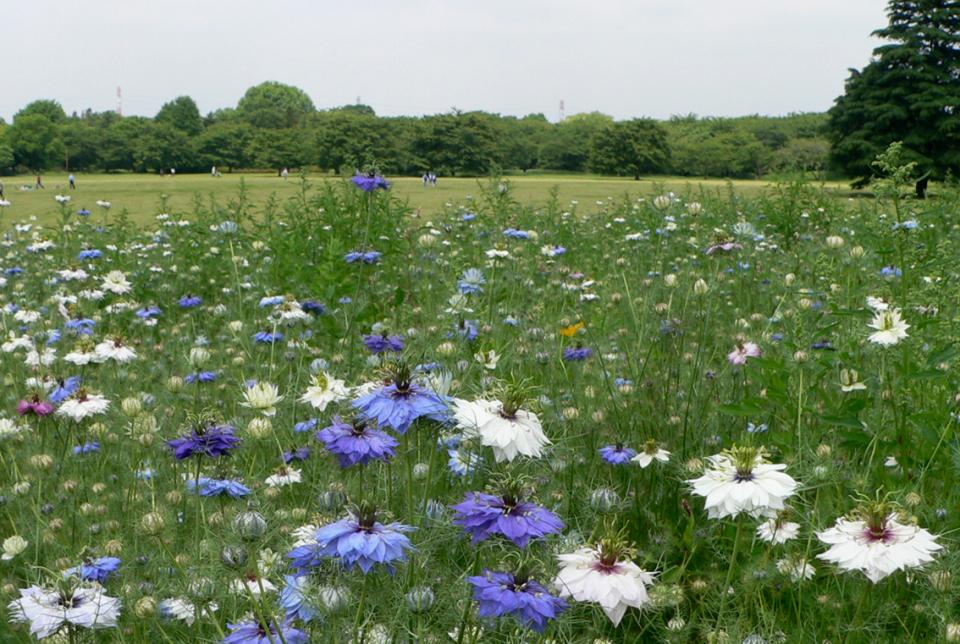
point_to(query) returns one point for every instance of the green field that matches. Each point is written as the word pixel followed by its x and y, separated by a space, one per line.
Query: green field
pixel 141 195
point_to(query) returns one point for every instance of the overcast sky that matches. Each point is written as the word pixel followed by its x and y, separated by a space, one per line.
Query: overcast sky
pixel 627 58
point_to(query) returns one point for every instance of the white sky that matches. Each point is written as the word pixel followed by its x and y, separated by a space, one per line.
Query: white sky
pixel 627 58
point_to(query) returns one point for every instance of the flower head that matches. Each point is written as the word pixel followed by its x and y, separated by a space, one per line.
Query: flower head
pixel 890 328
pixel 211 440
pixel 504 593
pixel 399 404
pixel 508 514
pixel 263 397
pixel 370 181
pixel 743 351
pixel 741 480
pixel 383 343
pixel 48 610
pixel 97 570
pixel 617 454
pixel 605 575
pixel 357 442
pixel 502 425
pixel 876 543
pixel 324 390
pixel 256 632
pixel 651 452
pixel 356 540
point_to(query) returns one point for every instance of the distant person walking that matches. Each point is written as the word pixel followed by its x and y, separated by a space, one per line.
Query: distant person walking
pixel 213 171
pixel 39 182
pixel 433 179
pixel 173 172
pixel 426 178
pixel 73 182
pixel 285 174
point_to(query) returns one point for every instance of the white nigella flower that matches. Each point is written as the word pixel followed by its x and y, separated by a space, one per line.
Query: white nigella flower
pixel 48 610
pixel 509 430
pixel 776 532
pixel 850 381
pixel 877 544
pixel 890 328
pixel 46 357
pixel 304 535
pixel 183 609
pixel 799 569
pixel 83 354
pixel 9 428
pixel 651 452
pixel 324 390
pixel 488 359
pixel 83 405
pixel 876 303
pixel 13 546
pixel 25 316
pixel 284 476
pixel 742 481
pixel 114 349
pixel 604 575
pixel 263 397
pixel 116 282
pixel 255 586
pixel 14 342
pixel 496 253
pixel 73 275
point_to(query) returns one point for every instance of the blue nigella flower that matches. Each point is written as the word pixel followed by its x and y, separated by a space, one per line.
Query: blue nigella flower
pixel 86 448
pixel 300 454
pixel 255 632
pixel 617 454
pixel 272 301
pixel 149 311
pixel 484 515
pixel 216 487
pixel 200 376
pixel 65 388
pixel 559 250
pixel 461 462
pixel 371 257
pixel 822 344
pixel 757 429
pixel 502 593
pixel 84 326
pixel 307 425
pixel 213 441
pixel 516 234
pixel 97 570
pixel 267 336
pixel 471 282
pixel 579 353
pixel 891 271
pixel 91 253
pixel 293 599
pixel 83 212
pixel 190 301
pixel 396 406
pixel 383 343
pixel 468 330
pixel 356 540
pixel 346 300
pixel 313 307
pixel 356 443
pixel 469 216
pixel 370 182
pixel 622 382
pixel 53 337
pixel 16 270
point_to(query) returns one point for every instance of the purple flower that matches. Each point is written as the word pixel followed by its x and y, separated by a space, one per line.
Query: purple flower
pixel 190 301
pixel 483 515
pixel 300 454
pixel 371 257
pixel 255 632
pixel 213 441
pixel 356 540
pixel 200 376
pixel 356 443
pixel 617 454
pixel 149 311
pixel 307 425
pixel 216 487
pixel 91 253
pixel 370 182
pixel 502 593
pixel 313 307
pixel 83 212
pixel 725 246
pixel 86 448
pixel 35 406
pixel 294 602
pixel 97 570
pixel 383 343
pixel 267 336
pixel 398 405
pixel 575 354
pixel 65 388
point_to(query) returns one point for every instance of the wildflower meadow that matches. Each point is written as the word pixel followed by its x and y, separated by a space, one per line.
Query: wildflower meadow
pixel 680 418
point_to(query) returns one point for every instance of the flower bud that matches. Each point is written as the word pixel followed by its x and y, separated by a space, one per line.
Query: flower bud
pixel 333 599
pixel 145 607
pixel 250 525
pixel 789 279
pixel 233 557
pixel 153 524
pixel 676 624
pixel 670 280
pixel 131 407
pixel 199 356
pixel 260 428
pixel 175 384
pixel 801 356
pixel 42 461
pixel 420 600
pixel 857 252
pixel 834 241
pixel 604 500
pixel 701 287
pixel 420 471
pixel 941 580
pixel 427 241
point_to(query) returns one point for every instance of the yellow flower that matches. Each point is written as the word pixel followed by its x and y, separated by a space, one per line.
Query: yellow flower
pixel 571 330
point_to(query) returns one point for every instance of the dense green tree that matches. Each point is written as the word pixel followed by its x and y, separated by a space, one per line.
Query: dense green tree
pixel 349 138
pixel 521 140
pixel 567 147
pixel 6 157
pixel 227 145
pixel 81 144
pixel 275 106
pixel 630 148
pixel 278 149
pixel 161 147
pixel 48 108
pixel 909 92
pixel 458 142
pixel 35 141
pixel 118 143
pixel 183 114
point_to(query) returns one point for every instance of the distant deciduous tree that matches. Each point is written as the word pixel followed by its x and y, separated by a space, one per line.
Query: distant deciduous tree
pixel 630 148
pixel 183 114
pixel 275 106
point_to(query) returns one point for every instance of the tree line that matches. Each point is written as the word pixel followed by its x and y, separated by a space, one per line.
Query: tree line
pixel 277 126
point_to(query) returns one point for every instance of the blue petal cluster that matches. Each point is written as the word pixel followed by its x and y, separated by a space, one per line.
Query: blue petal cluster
pixel 483 515
pixel 357 443
pixel 397 407
pixel 213 441
pixel 354 544
pixel 255 632
pixel 501 593
pixel 617 454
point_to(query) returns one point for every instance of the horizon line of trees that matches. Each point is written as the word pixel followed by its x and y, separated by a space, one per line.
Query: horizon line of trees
pixel 277 126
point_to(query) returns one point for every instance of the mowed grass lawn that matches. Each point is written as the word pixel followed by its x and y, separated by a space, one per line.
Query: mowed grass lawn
pixel 141 195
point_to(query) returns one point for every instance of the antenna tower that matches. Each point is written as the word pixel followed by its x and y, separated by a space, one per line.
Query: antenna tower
pixel 119 107
pixel 563 115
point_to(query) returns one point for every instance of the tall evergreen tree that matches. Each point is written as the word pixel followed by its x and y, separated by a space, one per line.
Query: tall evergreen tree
pixel 909 92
